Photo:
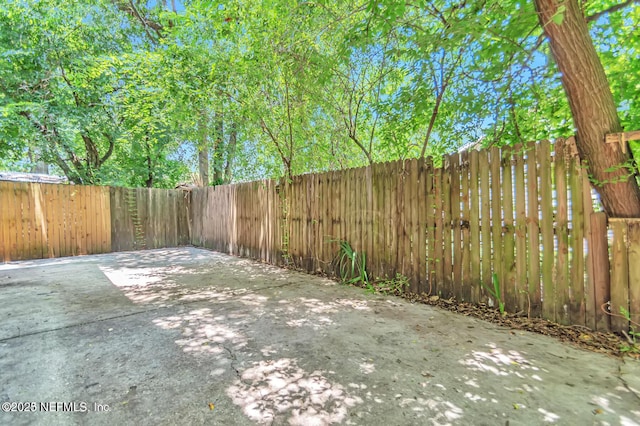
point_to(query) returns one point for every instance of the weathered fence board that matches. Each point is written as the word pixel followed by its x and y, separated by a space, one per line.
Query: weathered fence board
pixel 485 225
pixel 619 277
pixel 497 247
pixel 425 226
pixel 546 228
pixel 561 279
pixel 447 284
pixel 474 227
pixel 465 218
pixel 580 314
pixel 430 215
pixel 601 274
pixel 395 262
pixel 533 232
pixel 456 260
pixel 522 300
pixel 508 245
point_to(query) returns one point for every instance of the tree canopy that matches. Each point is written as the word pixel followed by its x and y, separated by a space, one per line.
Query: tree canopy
pixel 130 92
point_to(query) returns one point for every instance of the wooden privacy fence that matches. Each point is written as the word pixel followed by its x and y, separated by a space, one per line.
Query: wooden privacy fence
pixel 48 220
pixel 243 219
pixel 144 218
pixel 522 216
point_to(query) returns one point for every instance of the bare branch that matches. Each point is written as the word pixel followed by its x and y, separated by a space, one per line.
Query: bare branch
pixel 436 108
pixel 132 10
pixel 285 160
pixel 353 137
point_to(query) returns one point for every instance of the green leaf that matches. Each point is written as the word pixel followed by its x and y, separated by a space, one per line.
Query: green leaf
pixel 558 18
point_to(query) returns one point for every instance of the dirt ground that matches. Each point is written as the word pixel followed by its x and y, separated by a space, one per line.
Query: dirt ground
pixel 189 336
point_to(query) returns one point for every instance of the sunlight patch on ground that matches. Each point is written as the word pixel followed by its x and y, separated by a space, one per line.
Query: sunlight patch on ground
pixel 146 285
pixel 134 277
pixel 367 366
pixel 219 295
pixel 315 323
pixel 203 332
pixel 496 361
pixel 549 417
pixel 439 411
pixel 24 264
pixel 315 306
pixel 625 421
pixel 314 313
pixel 471 382
pixel 474 397
pixel 155 285
pixel 252 299
pixel 267 351
pixel 604 402
pixel 280 388
pixel 360 305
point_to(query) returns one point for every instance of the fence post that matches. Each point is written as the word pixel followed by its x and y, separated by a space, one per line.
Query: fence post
pixel 599 258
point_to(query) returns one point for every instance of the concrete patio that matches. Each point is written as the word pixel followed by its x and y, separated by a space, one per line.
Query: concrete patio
pixel 190 336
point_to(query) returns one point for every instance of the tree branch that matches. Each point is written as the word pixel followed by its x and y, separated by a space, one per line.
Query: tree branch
pixel 612 9
pixel 444 84
pixel 106 156
pixel 285 160
pixel 90 147
pixel 353 137
pixel 132 10
pixel 76 97
pixel 51 136
pixel 41 127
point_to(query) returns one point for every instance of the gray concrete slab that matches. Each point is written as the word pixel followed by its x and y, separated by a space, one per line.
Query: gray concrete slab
pixel 188 336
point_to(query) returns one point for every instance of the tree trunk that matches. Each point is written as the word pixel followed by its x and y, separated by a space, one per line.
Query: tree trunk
pixel 218 151
pixel 203 165
pixel 231 153
pixel 203 152
pixel 592 106
pixel 149 181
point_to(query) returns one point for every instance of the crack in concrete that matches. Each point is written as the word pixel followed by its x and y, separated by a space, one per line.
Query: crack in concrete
pixel 233 359
pixel 49 330
pixel 274 286
pixel 95 321
pixel 37 332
